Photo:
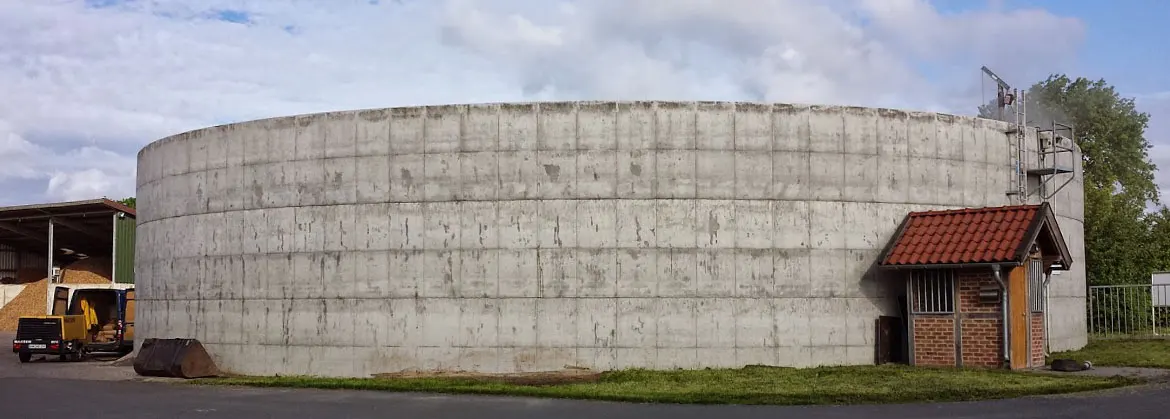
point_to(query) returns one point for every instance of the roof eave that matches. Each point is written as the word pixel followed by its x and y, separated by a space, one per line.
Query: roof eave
pixel 893 241
pixel 55 208
pixel 899 267
pixel 1045 217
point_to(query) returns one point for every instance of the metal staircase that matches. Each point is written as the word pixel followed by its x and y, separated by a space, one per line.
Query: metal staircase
pixel 1053 145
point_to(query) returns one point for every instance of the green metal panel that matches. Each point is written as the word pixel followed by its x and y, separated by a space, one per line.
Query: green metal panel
pixel 124 232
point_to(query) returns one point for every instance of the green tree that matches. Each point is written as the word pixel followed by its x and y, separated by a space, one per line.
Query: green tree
pixel 128 202
pixel 1118 174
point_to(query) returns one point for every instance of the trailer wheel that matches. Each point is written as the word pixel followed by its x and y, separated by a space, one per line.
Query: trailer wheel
pixel 24 356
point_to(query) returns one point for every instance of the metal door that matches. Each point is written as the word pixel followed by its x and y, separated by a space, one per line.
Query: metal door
pixel 60 301
pixel 128 316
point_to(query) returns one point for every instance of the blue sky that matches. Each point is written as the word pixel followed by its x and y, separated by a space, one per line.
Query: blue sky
pixel 1122 43
pixel 89 82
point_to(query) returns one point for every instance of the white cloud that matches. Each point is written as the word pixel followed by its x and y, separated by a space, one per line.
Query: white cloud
pixel 1158 133
pixel 82 173
pixel 96 84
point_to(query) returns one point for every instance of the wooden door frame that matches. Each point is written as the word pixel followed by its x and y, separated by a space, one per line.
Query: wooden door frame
pixel 1019 318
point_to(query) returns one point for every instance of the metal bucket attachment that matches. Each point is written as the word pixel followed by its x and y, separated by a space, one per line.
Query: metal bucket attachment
pixel 180 358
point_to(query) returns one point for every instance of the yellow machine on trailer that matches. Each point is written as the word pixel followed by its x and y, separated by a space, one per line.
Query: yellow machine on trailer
pixel 93 320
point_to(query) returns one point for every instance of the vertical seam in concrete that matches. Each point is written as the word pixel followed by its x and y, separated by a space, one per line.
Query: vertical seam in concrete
pixel 845 157
pixel 389 194
pixel 459 195
pixel 496 217
pixel 694 151
pixel 735 194
pixel 653 150
pixel 906 197
pixel 616 192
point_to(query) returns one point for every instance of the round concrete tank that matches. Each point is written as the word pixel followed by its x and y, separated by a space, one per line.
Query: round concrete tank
pixel 535 236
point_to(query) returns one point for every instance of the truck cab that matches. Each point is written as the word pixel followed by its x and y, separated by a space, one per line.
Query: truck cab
pixel 83 320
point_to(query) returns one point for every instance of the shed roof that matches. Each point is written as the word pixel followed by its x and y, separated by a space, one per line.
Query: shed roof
pixel 84 226
pixel 59 209
pixel 988 235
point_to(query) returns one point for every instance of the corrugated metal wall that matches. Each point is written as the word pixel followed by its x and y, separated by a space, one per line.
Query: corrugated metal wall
pixel 9 262
pixel 34 260
pixel 124 232
pixel 12 261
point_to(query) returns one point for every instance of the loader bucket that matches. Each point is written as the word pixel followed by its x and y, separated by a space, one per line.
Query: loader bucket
pixel 179 358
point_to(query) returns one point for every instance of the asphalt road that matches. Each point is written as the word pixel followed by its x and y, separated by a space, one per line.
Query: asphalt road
pixel 54 397
pixel 96 390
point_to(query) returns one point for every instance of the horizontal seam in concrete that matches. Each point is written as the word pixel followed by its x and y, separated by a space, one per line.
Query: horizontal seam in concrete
pixel 323 160
pixel 140 297
pixel 534 346
pixel 356 204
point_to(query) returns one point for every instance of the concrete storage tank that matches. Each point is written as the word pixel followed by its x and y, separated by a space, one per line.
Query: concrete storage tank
pixel 532 236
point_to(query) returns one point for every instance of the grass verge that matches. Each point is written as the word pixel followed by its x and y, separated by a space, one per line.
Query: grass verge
pixel 1144 353
pixel 749 385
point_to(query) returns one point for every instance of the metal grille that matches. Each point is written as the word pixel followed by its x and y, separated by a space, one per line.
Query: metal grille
pixel 932 291
pixel 1036 285
pixel 39 329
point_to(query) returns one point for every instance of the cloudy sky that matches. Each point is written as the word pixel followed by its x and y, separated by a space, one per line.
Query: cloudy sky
pixel 85 84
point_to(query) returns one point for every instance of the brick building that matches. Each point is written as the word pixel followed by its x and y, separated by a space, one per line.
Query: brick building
pixel 969 271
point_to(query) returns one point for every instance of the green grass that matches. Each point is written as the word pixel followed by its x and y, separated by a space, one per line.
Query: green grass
pixel 1147 353
pixel 749 385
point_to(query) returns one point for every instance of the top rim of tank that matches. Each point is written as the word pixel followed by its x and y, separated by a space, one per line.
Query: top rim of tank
pixel 182 135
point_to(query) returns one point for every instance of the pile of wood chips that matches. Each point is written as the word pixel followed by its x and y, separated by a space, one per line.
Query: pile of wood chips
pixel 33 300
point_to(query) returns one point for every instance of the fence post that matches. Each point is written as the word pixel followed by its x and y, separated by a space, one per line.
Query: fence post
pixel 1153 309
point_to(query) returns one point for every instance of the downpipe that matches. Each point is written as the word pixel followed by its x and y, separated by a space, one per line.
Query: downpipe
pixel 1047 316
pixel 1003 302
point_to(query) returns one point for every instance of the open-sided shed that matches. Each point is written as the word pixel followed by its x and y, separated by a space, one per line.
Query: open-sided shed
pixel 970 272
pixel 58 232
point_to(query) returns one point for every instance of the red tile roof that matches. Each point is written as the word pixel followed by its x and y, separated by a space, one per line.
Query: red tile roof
pixel 972 235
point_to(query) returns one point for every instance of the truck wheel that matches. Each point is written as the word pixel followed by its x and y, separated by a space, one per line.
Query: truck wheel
pixel 24 357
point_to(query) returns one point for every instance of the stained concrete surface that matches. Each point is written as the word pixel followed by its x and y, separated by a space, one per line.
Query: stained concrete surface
pixel 527 237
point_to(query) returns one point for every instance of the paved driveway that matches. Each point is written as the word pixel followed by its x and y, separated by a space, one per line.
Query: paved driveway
pixel 96 390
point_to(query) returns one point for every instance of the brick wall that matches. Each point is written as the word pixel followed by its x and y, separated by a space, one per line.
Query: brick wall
pixel 982 334
pixel 934 340
pixel 981 327
pixel 1037 339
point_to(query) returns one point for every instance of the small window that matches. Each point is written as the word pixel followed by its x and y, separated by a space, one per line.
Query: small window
pixel 932 291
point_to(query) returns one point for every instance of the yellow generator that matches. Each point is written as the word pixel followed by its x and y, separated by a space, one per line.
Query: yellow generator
pixel 93 320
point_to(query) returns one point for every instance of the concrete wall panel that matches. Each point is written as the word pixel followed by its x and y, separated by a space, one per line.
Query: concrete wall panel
pixel 520 237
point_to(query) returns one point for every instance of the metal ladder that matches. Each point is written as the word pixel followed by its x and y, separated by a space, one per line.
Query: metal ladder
pixel 1017 136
